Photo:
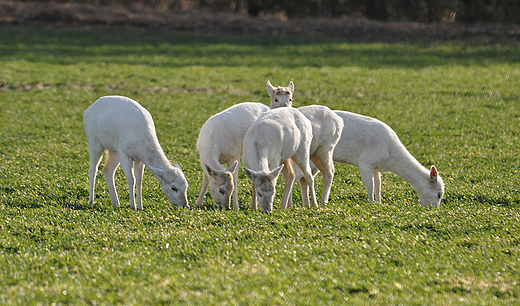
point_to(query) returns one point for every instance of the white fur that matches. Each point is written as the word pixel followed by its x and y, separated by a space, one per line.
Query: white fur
pixel 126 131
pixel 281 96
pixel 220 141
pixel 326 132
pixel 277 137
pixel 374 147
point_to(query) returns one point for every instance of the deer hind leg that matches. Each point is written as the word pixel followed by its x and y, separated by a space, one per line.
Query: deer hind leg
pixel 307 182
pixel 304 188
pixel 323 160
pixel 109 171
pixel 139 171
pixel 299 178
pixel 128 168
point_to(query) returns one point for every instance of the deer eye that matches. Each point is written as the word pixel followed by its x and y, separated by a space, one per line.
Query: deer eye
pixel 290 100
pixel 260 195
pixel 222 191
pixel 174 189
pixel 275 100
pixel 439 195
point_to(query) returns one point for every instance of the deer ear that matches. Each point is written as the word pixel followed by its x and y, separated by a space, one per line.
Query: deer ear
pixel 433 174
pixel 210 170
pixel 291 86
pixel 274 174
pixel 176 165
pixel 233 167
pixel 248 172
pixel 270 88
pixel 159 173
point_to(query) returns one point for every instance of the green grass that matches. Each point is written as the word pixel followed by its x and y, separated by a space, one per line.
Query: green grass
pixel 453 104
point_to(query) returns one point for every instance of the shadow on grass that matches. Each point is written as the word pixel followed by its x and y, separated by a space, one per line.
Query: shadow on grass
pixel 133 47
pixel 207 205
pixel 491 200
pixel 22 204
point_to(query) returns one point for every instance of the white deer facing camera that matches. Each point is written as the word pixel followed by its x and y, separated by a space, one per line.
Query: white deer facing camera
pixel 280 96
pixel 277 137
pixel 220 142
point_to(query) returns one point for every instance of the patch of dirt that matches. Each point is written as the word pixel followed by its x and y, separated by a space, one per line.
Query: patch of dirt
pixel 204 22
pixel 112 87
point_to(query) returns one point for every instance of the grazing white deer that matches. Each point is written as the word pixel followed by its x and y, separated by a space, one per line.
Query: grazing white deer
pixel 374 147
pixel 280 96
pixel 220 141
pixel 126 131
pixel 277 137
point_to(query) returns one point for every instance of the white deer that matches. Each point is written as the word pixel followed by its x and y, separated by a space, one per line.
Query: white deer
pixel 326 132
pixel 277 137
pixel 126 130
pixel 280 96
pixel 374 147
pixel 220 141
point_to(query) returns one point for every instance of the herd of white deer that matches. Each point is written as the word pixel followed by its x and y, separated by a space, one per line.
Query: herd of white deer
pixel 298 142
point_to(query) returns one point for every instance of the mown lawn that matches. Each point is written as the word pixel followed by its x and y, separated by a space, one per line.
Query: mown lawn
pixel 453 104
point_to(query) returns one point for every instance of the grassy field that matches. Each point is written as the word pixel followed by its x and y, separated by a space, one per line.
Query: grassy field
pixel 453 104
